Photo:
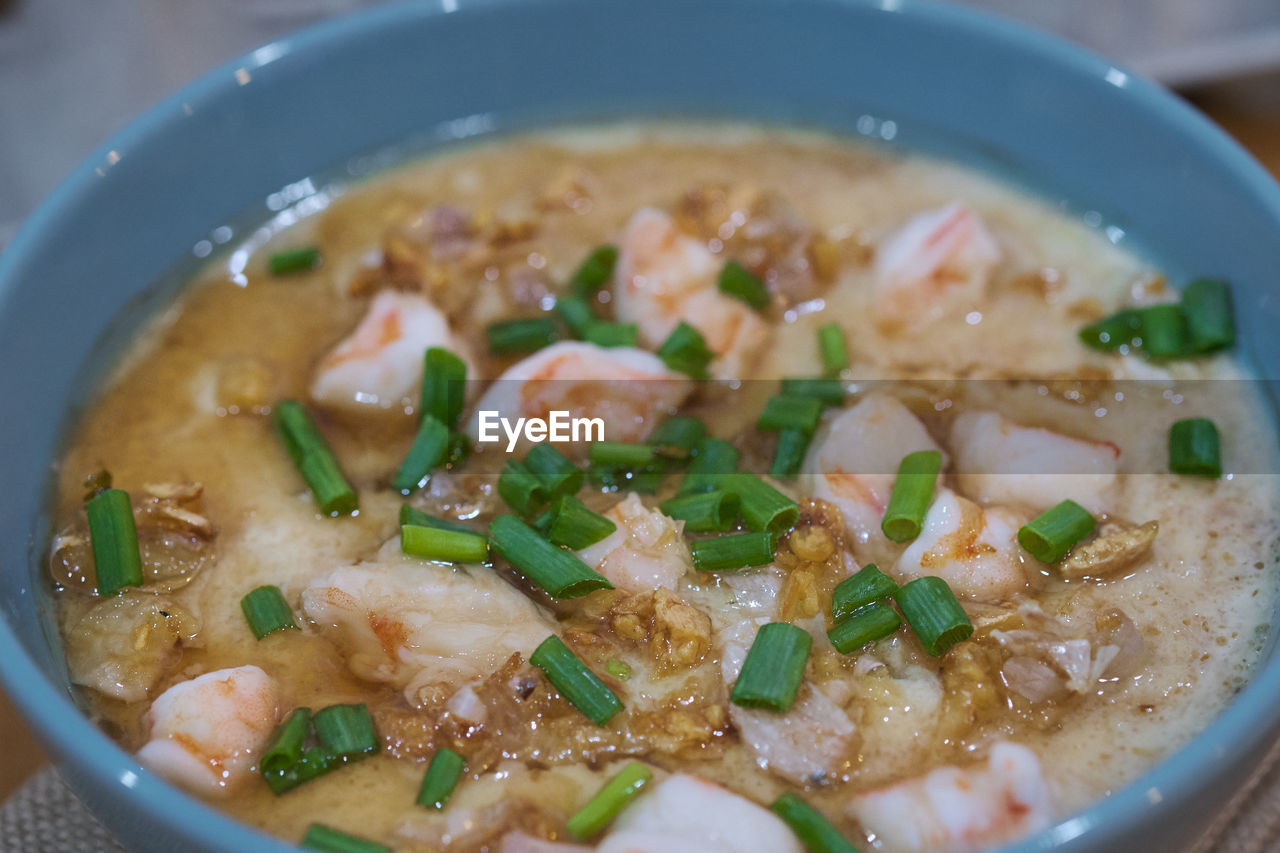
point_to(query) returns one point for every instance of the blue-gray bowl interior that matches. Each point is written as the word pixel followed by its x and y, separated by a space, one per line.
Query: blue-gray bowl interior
pixel 1016 103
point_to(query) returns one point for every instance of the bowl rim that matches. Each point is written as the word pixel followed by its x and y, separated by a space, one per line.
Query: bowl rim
pixel 67 731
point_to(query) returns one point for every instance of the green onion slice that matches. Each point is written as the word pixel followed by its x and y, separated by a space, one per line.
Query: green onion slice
pixel 713 459
pixel 441 778
pixel 620 670
pixel 685 351
pixel 605 334
pixel 559 476
pixel 113 536
pixel 575 681
pixel 617 454
pixel 784 411
pixel 326 840
pixel 524 491
pixel 1194 448
pixel 285 747
pixel 576 313
pixel 737 282
pixel 312 764
pixel 527 335
pixel 444 386
pixel 866 625
pixel 266 611
pixel 788 455
pixel 774 668
pixel 703 512
pixel 294 260
pixel 314 458
pixel 429 449
pixel 1049 536
pixel 1164 332
pixel 346 731
pixel 831 348
pixel 738 551
pixel 449 546
pixel 810 826
pixel 615 796
pixel 574 526
pixel 1206 303
pixel 594 271
pixel 931 609
pixel 1124 328
pixel 409 515
pixel 763 507
pixel 677 437
pixel 554 569
pixel 829 390
pixel 864 587
pixel 912 491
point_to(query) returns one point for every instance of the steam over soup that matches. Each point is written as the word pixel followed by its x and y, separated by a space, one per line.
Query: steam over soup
pixel 875 520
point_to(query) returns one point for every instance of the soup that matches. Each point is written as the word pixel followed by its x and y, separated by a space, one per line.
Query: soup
pixel 872 519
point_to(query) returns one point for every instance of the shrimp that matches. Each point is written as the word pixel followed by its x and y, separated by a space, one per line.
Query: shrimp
pixel 686 814
pixel 646 552
pixel 204 733
pixel 854 460
pixel 974 549
pixel 628 389
pixel 665 277
pixel 999 461
pixel 380 363
pixel 957 810
pixel 415 625
pixel 937 258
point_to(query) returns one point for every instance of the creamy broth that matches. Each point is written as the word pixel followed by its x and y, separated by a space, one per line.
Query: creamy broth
pixel 191 405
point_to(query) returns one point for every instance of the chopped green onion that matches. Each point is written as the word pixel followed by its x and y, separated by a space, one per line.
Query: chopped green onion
pixel 1124 328
pixel 703 512
pixel 931 609
pixel 735 281
pixel 554 569
pixel 312 764
pixel 784 411
pixel 117 560
pixel 604 334
pixel 574 526
pixel 346 731
pixel 1164 332
pixel 575 681
pixel 527 335
pixel 713 459
pixel 559 476
pixel 774 668
pixel 829 391
pixel 1049 536
pixel 835 356
pixel 617 454
pixel 314 458
pixel 620 670
pixel 326 840
pixel 615 796
pixel 685 351
pixel 523 490
pixel 866 625
pixel 738 551
pixel 788 455
pixel 1206 303
pixel 441 778
pixel 266 611
pixel 1194 448
pixel 284 750
pixel 763 507
pixel 864 587
pixel 294 260
pixel 594 271
pixel 912 491
pixel 677 437
pixel 444 385
pixel 428 451
pixel 576 313
pixel 411 516
pixel 810 826
pixel 449 546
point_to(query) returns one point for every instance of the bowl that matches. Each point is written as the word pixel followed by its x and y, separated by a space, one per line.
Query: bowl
pixel 102 250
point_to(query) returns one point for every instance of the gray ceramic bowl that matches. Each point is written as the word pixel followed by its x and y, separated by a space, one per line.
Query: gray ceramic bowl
pixel 1005 99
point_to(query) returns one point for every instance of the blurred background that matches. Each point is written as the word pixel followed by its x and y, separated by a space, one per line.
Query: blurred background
pixel 73 72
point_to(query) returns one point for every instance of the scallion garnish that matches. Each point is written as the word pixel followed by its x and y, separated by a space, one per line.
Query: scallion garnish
pixel 774 668
pixel 575 680
pixel 559 476
pixel 615 796
pixel 737 282
pixel 763 507
pixel 912 491
pixel 1206 303
pixel 713 459
pixel 617 454
pixel 738 551
pixel 527 335
pixel 814 830
pixel 523 490
pixel 314 458
pixel 312 764
pixel 677 437
pixel 409 515
pixel 429 449
pixel 1124 328
pixel 442 776
pixel 605 334
pixel 554 569
pixel 594 271
pixel 703 512
pixel 449 546
pixel 866 625
pixel 1164 332
pixel 1049 536
pixel 788 455
pixel 685 351
pixel 285 747
pixel 294 260
pixel 266 611
pixel 113 536
pixel 620 670
pixel 576 313
pixel 931 609
pixel 783 411
pixel 574 526
pixel 322 838
pixel 1194 448
pixel 444 386
pixel 831 347
pixel 346 731
pixel 830 391
pixel 866 586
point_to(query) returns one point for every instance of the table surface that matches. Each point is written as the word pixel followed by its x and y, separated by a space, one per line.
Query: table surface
pixel 1260 134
